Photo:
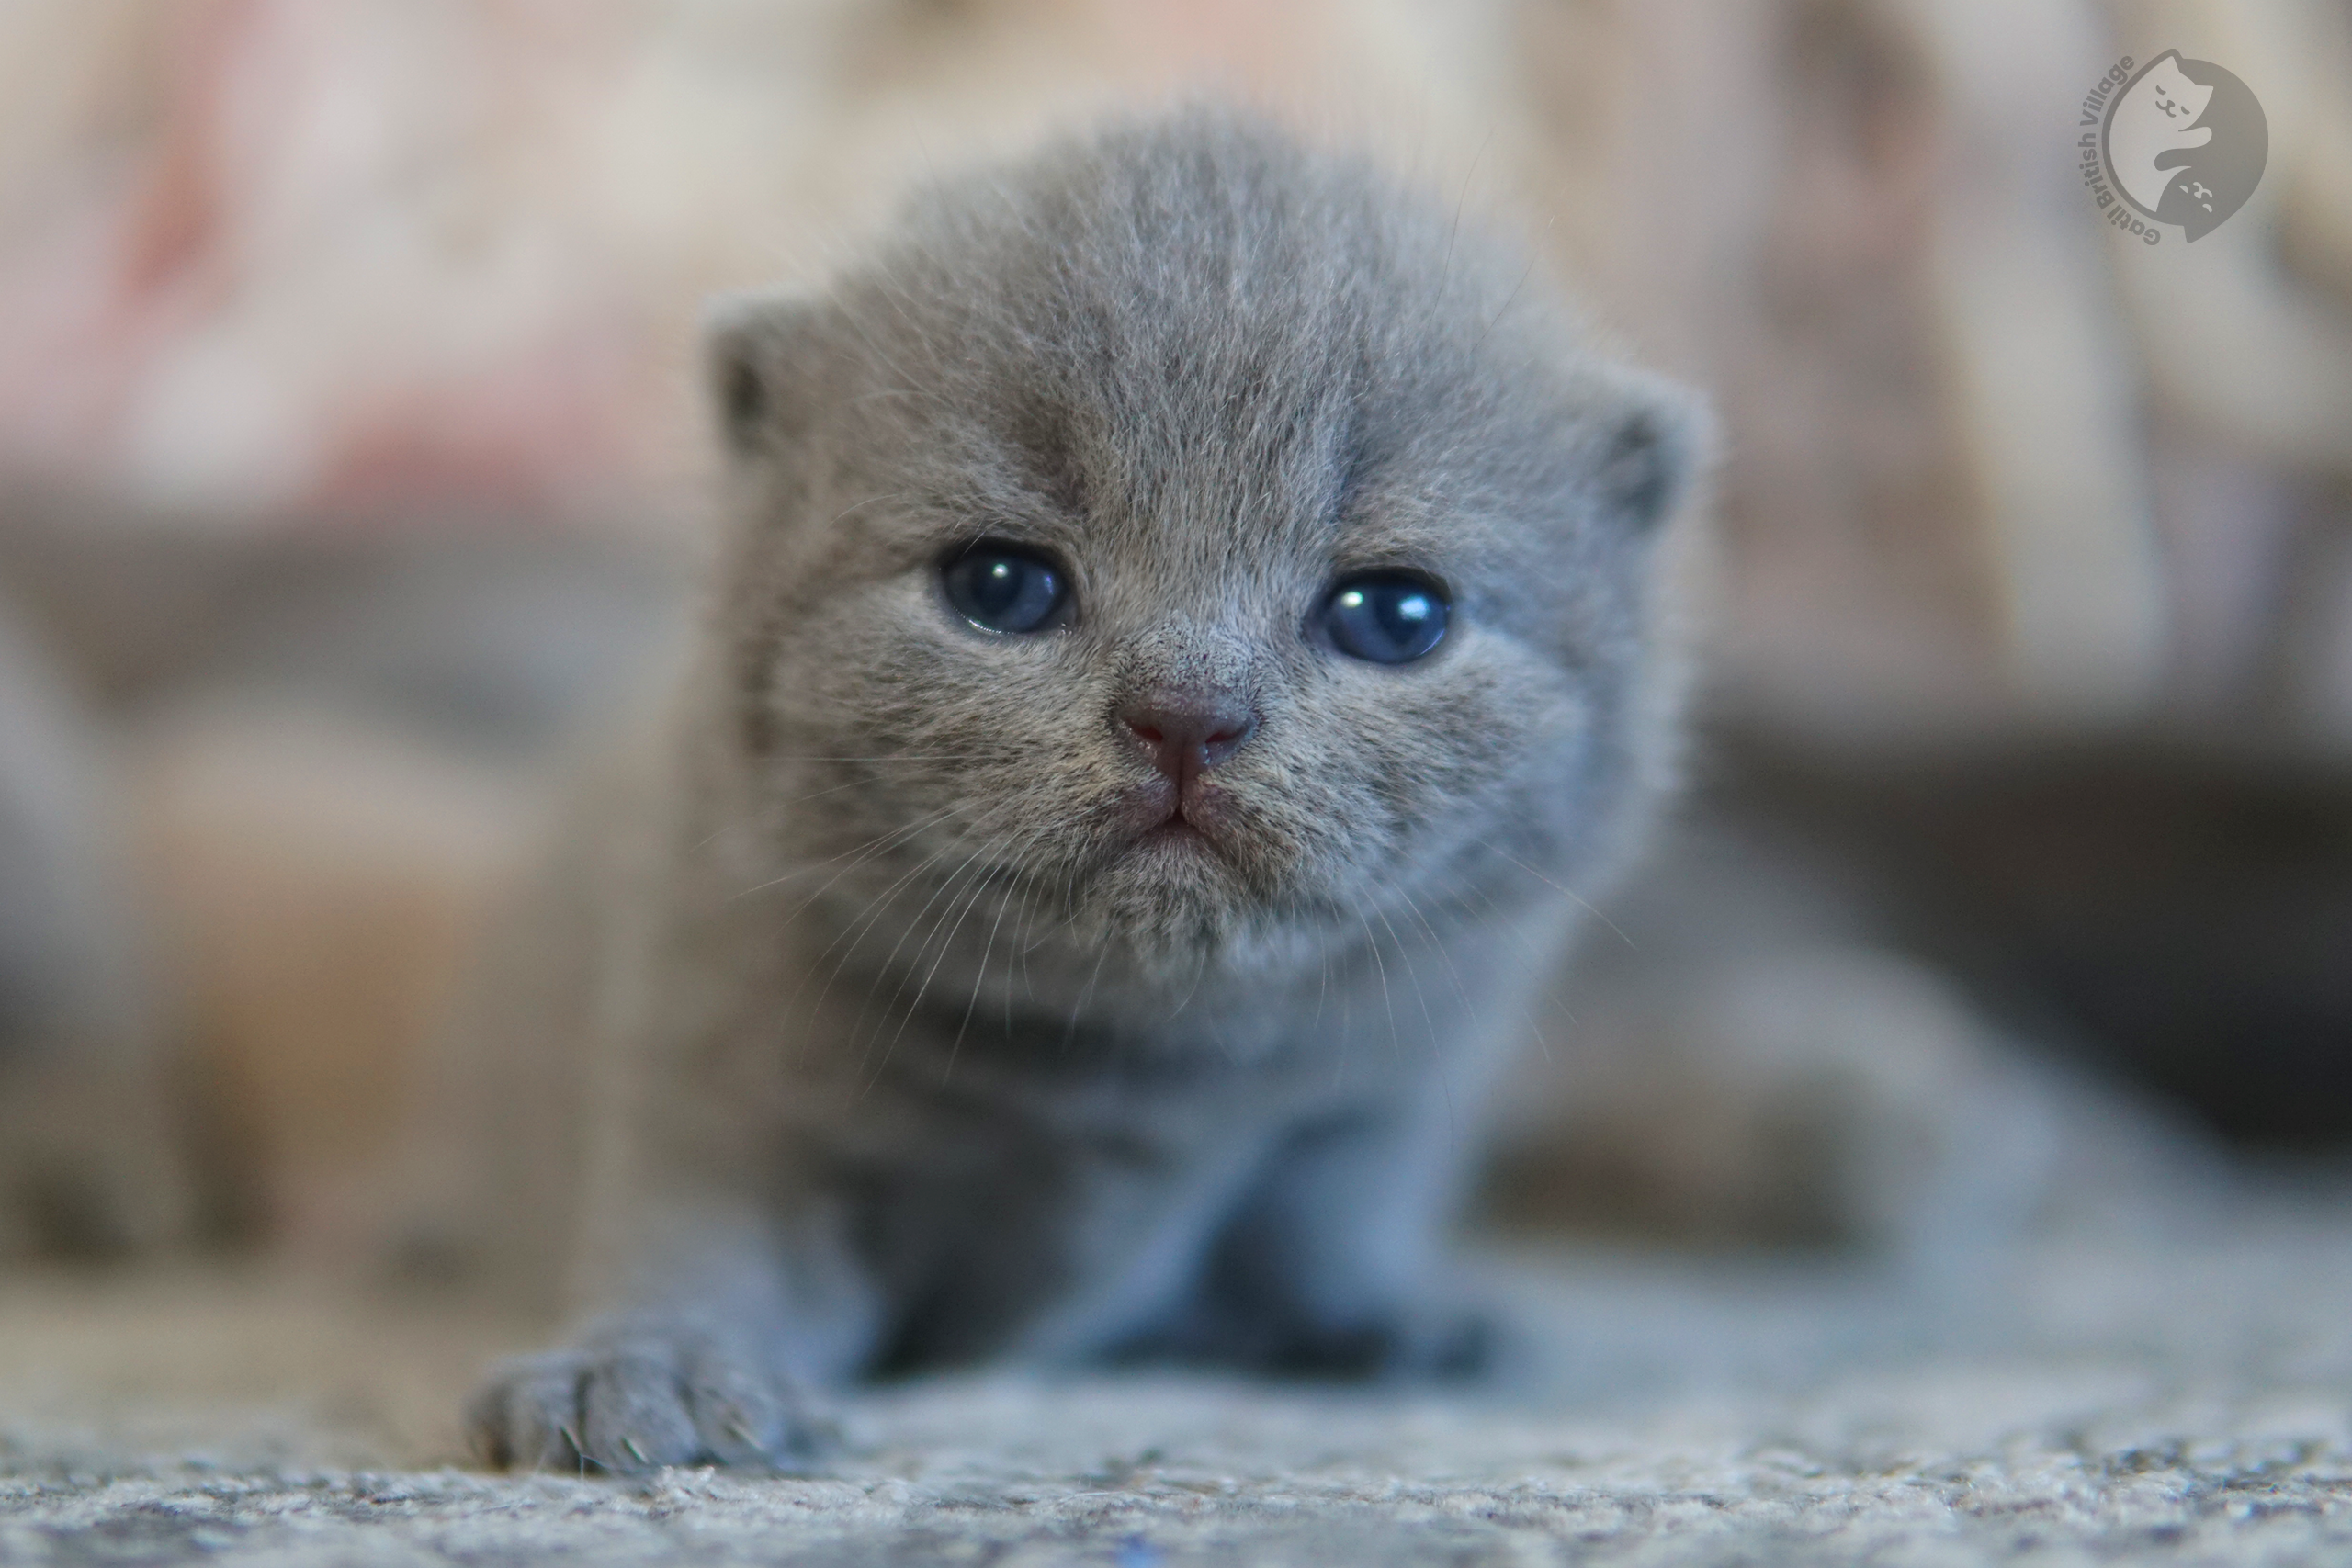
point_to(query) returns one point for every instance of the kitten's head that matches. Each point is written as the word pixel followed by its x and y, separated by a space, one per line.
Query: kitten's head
pixel 2169 94
pixel 1194 546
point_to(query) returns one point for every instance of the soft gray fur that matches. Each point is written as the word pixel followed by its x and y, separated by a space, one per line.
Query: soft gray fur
pixel 901 1042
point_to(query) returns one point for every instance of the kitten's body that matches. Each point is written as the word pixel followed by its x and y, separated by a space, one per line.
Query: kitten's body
pixel 921 1017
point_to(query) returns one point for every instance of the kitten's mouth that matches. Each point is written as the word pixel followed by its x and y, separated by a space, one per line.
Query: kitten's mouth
pixel 1166 817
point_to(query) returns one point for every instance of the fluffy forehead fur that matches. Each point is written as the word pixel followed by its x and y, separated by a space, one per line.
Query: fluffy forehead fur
pixel 1208 371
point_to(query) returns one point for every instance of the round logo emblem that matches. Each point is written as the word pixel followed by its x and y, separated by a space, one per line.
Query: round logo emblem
pixel 2184 142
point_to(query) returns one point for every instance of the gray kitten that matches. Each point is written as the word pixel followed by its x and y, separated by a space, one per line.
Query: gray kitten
pixel 1191 616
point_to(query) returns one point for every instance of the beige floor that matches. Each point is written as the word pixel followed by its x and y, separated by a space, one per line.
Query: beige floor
pixel 2181 1399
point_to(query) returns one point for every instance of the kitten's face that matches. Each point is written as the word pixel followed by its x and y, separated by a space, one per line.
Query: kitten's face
pixel 1047 507
pixel 2172 95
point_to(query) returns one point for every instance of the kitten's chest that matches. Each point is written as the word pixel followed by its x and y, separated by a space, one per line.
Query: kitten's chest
pixel 1047 1220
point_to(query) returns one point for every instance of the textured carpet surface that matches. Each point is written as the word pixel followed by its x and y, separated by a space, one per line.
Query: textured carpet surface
pixel 2186 1402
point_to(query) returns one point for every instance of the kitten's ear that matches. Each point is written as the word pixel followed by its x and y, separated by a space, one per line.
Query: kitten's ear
pixel 1655 443
pixel 760 356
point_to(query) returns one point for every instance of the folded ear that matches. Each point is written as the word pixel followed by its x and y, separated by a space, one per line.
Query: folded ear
pixel 761 360
pixel 1654 442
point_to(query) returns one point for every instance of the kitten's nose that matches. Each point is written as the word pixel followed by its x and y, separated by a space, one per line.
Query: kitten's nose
pixel 1187 731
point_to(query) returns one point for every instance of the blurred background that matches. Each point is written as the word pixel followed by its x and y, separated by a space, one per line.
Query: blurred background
pixel 352 462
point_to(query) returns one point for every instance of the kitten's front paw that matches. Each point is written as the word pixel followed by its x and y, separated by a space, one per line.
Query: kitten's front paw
pixel 643 1393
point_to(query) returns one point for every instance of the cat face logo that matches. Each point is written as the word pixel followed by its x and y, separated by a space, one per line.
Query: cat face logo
pixel 2185 143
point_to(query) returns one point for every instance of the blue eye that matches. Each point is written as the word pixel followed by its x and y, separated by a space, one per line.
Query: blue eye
pixel 1388 617
pixel 1002 588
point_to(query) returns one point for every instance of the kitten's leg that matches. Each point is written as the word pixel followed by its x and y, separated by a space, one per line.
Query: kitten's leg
pixel 739 1324
pixel 1328 1266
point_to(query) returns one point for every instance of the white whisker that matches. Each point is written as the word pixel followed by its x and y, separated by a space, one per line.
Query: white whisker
pixel 1593 909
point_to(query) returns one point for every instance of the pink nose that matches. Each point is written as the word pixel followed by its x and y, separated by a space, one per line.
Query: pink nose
pixel 1185 732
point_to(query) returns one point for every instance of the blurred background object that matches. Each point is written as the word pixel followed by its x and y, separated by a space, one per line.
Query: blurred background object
pixel 351 455
pixel 90 1163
